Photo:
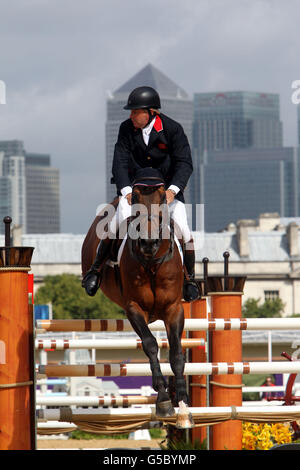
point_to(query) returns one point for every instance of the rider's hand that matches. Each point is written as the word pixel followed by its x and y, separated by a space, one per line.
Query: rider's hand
pixel 128 197
pixel 170 196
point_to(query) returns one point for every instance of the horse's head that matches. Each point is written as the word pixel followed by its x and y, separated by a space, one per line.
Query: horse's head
pixel 149 206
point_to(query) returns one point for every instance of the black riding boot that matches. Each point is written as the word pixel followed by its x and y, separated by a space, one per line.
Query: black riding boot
pixel 91 280
pixel 190 287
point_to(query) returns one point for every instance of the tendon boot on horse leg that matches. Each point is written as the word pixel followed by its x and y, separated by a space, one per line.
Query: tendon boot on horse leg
pixel 190 287
pixel 164 407
pixel 177 363
pixel 91 279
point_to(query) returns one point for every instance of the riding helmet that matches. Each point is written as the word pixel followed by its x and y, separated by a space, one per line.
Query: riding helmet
pixel 143 97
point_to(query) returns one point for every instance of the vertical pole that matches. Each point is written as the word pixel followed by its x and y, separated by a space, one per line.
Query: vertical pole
pixel 226 346
pixel 187 354
pixel 32 360
pixel 198 382
pixel 175 435
pixel 16 333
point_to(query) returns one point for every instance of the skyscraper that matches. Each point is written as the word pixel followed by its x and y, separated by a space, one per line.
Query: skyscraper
pixel 174 102
pixel 239 157
pixel 236 120
pixel 29 189
pixel 241 184
pixel 14 170
pixel 43 194
pixel 5 194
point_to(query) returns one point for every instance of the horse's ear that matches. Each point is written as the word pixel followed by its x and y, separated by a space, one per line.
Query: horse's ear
pixel 162 192
pixel 135 194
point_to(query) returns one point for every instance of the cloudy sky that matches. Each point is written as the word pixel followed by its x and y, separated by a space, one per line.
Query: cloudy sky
pixel 60 59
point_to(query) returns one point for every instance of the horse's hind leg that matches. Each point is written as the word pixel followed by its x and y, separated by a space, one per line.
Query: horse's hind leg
pixel 136 317
pixel 174 326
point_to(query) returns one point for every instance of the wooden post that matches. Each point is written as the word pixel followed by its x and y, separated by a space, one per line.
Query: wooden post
pixel 17 415
pixel 226 346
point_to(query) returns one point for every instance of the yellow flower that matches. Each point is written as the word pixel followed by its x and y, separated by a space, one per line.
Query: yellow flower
pixel 263 436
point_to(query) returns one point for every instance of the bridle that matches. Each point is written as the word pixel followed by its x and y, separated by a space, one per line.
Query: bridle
pixel 151 265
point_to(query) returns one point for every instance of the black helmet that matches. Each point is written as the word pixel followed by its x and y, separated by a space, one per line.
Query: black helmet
pixel 143 97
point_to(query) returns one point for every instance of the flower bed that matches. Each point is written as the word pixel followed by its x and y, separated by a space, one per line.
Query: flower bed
pixel 263 436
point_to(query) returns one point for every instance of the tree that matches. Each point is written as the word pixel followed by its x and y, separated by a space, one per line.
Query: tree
pixel 69 299
pixel 270 308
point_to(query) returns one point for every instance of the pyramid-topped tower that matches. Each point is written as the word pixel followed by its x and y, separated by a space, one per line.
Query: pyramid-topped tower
pixel 151 76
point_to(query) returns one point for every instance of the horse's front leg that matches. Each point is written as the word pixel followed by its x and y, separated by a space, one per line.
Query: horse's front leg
pixel 136 317
pixel 174 326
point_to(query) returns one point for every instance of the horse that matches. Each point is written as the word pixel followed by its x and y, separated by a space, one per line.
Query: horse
pixel 149 288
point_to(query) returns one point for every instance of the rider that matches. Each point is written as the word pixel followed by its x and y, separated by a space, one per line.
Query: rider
pixel 150 139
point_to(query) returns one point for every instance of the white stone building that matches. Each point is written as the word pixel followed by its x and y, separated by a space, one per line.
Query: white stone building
pixel 266 250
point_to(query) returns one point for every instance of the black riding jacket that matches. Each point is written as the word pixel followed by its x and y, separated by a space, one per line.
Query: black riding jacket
pixel 168 150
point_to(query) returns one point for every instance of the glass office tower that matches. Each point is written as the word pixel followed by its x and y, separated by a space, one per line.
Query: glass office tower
pixel 29 188
pixel 43 194
pixel 241 169
pixel 242 184
pixel 238 119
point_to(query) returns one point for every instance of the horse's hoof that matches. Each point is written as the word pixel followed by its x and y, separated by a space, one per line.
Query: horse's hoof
pixel 165 409
pixel 185 421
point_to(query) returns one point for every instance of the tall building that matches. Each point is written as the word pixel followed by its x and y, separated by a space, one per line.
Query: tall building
pixel 239 184
pixel 14 170
pixel 237 119
pixel 12 147
pixel 174 102
pixel 241 168
pixel 5 194
pixel 43 194
pixel 29 189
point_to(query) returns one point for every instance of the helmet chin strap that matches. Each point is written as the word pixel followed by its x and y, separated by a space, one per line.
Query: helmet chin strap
pixel 151 117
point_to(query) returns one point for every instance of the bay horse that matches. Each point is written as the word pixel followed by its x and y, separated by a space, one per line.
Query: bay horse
pixel 149 289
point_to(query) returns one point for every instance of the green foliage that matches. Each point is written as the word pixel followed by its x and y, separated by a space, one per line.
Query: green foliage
pixel 157 433
pixel 69 299
pixel 253 380
pixel 78 434
pixel 184 445
pixel 269 309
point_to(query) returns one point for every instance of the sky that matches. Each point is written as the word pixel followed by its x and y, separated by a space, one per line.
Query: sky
pixel 60 59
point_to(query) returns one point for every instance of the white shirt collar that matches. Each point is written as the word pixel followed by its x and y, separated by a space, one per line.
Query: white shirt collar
pixel 147 130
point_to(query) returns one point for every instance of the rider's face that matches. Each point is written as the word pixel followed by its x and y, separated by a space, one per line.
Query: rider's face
pixel 139 117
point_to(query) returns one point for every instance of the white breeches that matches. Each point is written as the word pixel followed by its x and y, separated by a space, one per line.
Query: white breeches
pixel 177 212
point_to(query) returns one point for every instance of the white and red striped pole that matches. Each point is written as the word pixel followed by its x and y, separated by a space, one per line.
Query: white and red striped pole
pixel 143 369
